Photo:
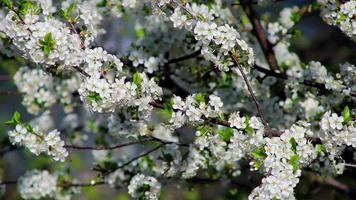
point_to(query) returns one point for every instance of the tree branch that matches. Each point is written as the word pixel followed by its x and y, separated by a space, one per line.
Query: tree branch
pixel 310 83
pixel 185 57
pixel 108 171
pixel 249 87
pixel 261 36
pixel 99 148
pixel 251 3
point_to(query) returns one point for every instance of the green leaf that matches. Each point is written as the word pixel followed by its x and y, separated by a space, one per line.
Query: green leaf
pixel 296 33
pixel 140 32
pixel 29 128
pixel 320 149
pixel 94 96
pixel 259 153
pixel 68 13
pixel 168 108
pixel 7 3
pixel 203 129
pixel 295 17
pixel 137 79
pixel 249 130
pixel 200 97
pixel 103 3
pixel 346 115
pixel 29 7
pixel 341 17
pixel 294 161
pixel 226 133
pixel 294 144
pixel 48 43
pixel 15 119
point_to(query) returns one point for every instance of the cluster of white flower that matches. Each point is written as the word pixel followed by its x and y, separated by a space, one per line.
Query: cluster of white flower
pixel 37 89
pixel 91 18
pixel 144 187
pixel 194 109
pixel 341 14
pixel 40 90
pixel 37 184
pixel 38 142
pixel 216 41
pixel 348 74
pixel 46 41
pixel 286 20
pixel 311 106
pixel 223 149
pixel 139 57
pixel 106 89
pixel 335 135
pixel 285 155
pixel 316 71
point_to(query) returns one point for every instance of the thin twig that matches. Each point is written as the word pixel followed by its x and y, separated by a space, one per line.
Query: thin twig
pixel 99 148
pixel 249 87
pixel 131 160
pixel 186 57
pixel 90 184
pixel 251 3
pixel 350 165
pixel 310 83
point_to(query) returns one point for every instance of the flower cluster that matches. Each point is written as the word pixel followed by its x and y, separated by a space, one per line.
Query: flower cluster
pixel 46 41
pixel 107 88
pixel 40 90
pixel 37 184
pixel 194 109
pixel 285 155
pixel 38 142
pixel 217 42
pixel 341 14
pixel 336 132
pixel 37 89
pixel 223 148
pixel 145 187
pixel 316 71
pixel 139 57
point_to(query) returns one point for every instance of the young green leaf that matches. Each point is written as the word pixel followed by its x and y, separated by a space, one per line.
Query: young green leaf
pixel 226 133
pixel 48 43
pixel 7 3
pixel 294 144
pixel 15 119
pixel 294 161
pixel 320 149
pixel 259 153
pixel 200 97
pixel 295 17
pixel 94 96
pixel 137 79
pixel 346 115
pixel 67 14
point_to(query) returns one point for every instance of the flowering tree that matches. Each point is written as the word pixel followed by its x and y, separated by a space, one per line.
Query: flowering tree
pixel 207 92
